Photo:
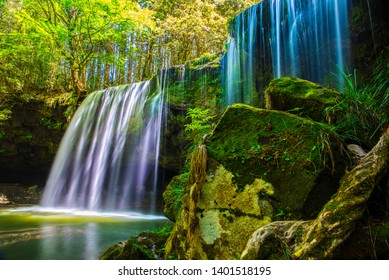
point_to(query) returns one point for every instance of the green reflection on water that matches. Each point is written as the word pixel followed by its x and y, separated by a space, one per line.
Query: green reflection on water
pixel 46 235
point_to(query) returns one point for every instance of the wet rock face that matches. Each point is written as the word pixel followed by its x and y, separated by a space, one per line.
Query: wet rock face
pixel 145 246
pixel 29 142
pixel 226 217
pixel 263 165
pixel 195 84
pixel 348 212
pixel 15 194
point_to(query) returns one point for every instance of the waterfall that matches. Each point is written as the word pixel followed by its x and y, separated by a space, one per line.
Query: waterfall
pixel 275 38
pixel 108 157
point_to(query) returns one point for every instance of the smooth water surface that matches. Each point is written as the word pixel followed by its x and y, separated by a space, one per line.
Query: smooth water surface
pixel 52 234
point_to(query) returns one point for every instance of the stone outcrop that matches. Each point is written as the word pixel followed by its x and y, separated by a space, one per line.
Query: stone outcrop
pixel 29 140
pixel 263 165
pixel 299 157
pixel 15 194
pixel 225 217
pixel 302 98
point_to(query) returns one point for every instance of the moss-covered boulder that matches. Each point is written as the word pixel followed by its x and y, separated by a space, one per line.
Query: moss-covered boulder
pixel 302 97
pixel 145 246
pixel 299 157
pixel 226 216
pixel 173 194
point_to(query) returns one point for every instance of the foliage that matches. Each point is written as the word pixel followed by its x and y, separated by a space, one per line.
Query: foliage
pixel 5 114
pixel 189 28
pixel 51 124
pixel 76 45
pixel 200 122
pixel 67 42
pixel 365 107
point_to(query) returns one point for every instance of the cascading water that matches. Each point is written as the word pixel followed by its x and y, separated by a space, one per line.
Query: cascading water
pixel 108 156
pixel 301 38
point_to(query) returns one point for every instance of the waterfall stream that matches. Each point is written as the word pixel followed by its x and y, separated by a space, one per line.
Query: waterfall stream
pixel 275 38
pixel 108 156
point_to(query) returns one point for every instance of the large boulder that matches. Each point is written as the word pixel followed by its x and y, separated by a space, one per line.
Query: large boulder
pixel 299 157
pixel 262 165
pixel 225 217
pixel 145 246
pixel 303 98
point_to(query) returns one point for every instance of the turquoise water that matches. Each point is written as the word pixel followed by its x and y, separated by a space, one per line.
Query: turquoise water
pixel 45 234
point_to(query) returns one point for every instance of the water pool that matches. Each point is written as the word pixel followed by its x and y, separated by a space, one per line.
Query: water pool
pixel 34 233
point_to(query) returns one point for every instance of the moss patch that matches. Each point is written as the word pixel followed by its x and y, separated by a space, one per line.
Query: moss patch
pixel 302 98
pixel 145 246
pixel 173 195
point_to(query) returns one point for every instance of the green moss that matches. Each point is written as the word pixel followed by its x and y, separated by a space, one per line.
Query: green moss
pixel 288 151
pixel 173 195
pixel 196 84
pixel 113 252
pixel 205 60
pixel 302 98
pixel 146 246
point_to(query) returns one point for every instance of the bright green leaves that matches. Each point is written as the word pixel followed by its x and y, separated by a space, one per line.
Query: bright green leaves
pixel 60 39
pixel 200 122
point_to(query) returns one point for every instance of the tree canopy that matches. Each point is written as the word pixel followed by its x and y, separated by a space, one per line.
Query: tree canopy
pixel 80 46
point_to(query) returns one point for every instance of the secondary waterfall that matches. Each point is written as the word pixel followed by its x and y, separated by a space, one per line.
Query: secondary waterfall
pixel 301 38
pixel 109 154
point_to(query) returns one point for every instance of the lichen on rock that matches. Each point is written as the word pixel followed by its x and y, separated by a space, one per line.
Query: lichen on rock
pixel 222 211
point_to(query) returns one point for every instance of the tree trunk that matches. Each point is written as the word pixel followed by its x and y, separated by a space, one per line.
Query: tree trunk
pixel 77 82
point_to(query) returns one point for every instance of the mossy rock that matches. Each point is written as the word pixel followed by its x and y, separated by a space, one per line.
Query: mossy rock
pixel 299 157
pixel 173 195
pixel 303 98
pixel 225 217
pixel 145 246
